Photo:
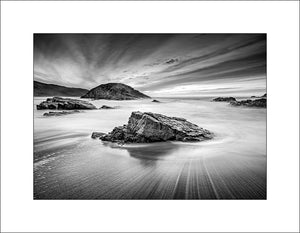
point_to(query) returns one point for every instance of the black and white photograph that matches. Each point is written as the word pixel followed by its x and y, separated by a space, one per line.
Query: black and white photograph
pixel 150 116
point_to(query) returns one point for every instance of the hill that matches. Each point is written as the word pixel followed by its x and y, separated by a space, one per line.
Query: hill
pixel 43 89
pixel 114 91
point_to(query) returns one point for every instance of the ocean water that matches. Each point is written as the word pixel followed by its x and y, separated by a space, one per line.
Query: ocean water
pixel 69 164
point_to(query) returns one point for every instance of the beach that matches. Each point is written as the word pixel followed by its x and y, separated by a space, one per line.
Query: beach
pixel 69 164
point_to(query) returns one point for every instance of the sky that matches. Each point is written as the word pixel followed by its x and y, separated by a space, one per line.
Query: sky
pixel 165 65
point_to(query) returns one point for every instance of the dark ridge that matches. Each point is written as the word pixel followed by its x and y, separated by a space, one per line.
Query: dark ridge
pixel 43 89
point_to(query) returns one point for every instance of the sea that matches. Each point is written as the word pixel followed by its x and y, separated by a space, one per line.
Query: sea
pixel 69 164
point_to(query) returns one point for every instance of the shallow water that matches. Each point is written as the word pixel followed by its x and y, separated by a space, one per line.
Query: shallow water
pixel 68 164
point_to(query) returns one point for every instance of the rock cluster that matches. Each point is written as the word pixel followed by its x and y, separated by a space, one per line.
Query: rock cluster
pixel 260 103
pixel 153 127
pixel 65 104
pixel 224 99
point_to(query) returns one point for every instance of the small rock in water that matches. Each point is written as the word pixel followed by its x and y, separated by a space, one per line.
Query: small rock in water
pixel 260 103
pixel 152 127
pixel 64 103
pixel 155 101
pixel 224 99
pixel 97 135
pixel 60 113
pixel 107 107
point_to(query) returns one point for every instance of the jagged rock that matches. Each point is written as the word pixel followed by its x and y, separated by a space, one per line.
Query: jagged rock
pixel 155 101
pixel 224 99
pixel 265 95
pixel 64 103
pixel 60 113
pixel 260 103
pixel 153 127
pixel 114 91
pixel 97 135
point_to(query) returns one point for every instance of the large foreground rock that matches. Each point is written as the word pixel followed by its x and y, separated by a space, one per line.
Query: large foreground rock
pixel 65 104
pixel 260 103
pixel 114 91
pixel 152 127
pixel 224 99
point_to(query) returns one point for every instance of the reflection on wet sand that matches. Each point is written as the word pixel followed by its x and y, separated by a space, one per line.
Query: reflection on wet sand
pixel 147 172
pixel 152 151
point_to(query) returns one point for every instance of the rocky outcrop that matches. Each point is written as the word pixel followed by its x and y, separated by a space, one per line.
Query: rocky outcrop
pixel 97 135
pixel 260 103
pixel 65 104
pixel 153 127
pixel 114 91
pixel 155 101
pixel 265 95
pixel 224 99
pixel 60 113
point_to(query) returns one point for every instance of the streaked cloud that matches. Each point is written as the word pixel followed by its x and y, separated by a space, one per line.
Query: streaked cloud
pixel 158 64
